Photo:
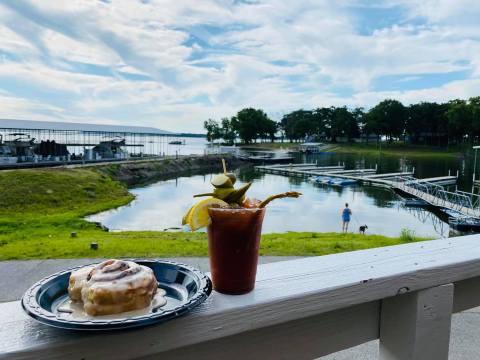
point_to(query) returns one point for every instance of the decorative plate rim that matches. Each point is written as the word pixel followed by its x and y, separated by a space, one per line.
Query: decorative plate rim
pixel 34 310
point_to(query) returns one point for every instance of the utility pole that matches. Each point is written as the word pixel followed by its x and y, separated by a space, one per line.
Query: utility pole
pixel 474 168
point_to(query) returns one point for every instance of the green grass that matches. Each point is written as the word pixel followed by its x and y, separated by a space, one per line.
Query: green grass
pixel 64 193
pixel 393 149
pixel 39 209
pixel 396 149
pixel 59 244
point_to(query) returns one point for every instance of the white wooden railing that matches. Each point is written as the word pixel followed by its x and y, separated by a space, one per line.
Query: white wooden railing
pixel 403 295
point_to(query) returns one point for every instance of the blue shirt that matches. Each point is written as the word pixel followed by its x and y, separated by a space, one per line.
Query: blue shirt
pixel 346 214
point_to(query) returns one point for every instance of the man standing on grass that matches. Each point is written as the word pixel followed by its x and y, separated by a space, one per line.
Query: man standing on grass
pixel 346 214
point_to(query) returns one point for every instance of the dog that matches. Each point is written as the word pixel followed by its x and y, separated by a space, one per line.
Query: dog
pixel 362 229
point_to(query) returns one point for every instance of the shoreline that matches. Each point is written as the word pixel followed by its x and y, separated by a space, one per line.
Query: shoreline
pixel 42 217
pixel 371 148
pixel 142 173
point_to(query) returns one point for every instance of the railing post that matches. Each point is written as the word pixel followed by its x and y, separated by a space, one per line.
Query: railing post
pixel 416 326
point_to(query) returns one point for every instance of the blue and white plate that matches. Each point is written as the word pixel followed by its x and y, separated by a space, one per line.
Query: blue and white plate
pixel 185 287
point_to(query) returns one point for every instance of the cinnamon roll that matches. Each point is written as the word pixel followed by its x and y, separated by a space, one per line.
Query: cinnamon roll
pixel 114 286
pixel 76 282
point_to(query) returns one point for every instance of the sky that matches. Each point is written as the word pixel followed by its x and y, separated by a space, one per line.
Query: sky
pixel 174 64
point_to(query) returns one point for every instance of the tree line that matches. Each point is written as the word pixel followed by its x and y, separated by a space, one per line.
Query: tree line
pixel 430 123
pixel 249 125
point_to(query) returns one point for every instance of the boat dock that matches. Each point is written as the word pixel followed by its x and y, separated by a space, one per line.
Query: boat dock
pixel 390 175
pixel 437 196
pixel 366 176
pixel 304 170
pixel 431 190
pixel 441 180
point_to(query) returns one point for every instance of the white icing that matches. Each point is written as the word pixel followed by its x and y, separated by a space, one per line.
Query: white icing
pixel 73 310
pixel 119 278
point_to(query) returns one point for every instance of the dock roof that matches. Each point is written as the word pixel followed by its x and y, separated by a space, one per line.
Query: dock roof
pixel 71 126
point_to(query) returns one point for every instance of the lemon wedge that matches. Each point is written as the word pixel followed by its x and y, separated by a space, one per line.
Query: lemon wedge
pixel 185 217
pixel 198 216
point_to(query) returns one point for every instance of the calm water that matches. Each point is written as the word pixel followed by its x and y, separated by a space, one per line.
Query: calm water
pixel 161 205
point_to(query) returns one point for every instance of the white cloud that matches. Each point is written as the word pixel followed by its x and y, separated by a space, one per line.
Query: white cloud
pixel 21 108
pixel 172 64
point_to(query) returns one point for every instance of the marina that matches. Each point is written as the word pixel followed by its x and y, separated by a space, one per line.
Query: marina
pixel 155 207
pixel 29 144
pixel 428 191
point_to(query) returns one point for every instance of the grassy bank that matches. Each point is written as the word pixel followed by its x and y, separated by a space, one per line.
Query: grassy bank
pixel 59 244
pixel 393 149
pixel 396 149
pixel 39 209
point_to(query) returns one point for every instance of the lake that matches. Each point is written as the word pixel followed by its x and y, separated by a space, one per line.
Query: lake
pixel 161 205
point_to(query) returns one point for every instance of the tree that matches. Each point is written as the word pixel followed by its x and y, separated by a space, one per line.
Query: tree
pixel 228 132
pixel 297 124
pixel 387 118
pixel 359 115
pixel 248 124
pixel 474 105
pixel 373 123
pixel 425 120
pixel 459 120
pixel 267 129
pixel 343 123
pixel 322 119
pixel 214 131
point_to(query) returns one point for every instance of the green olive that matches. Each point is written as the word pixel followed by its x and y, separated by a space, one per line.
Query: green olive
pixel 222 181
pixel 232 177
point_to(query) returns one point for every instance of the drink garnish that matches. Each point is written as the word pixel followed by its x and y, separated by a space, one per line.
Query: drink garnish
pixel 290 194
pixel 225 195
pixel 197 216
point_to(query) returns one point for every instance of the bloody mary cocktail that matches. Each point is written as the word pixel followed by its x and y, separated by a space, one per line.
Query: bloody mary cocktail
pixel 234 227
pixel 233 243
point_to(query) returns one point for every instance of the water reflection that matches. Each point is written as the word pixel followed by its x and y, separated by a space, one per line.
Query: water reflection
pixel 438 220
pixel 162 205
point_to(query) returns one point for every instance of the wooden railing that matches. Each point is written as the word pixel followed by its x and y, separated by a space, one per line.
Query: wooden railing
pixel 403 295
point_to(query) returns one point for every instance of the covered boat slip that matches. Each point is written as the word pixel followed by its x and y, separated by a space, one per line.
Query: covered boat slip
pixel 26 143
pixel 301 309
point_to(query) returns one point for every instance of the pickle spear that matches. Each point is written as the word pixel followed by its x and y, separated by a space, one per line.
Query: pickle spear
pixel 229 195
pixel 237 196
pixel 290 194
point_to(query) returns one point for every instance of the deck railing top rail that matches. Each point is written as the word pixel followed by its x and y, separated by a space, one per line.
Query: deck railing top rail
pixel 332 302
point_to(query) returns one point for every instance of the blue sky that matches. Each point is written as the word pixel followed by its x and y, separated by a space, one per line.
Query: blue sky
pixel 173 64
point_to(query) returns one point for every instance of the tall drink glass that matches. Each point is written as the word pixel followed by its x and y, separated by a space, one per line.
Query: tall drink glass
pixel 233 243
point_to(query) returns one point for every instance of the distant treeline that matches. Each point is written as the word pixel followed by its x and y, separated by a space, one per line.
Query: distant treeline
pixel 192 135
pixel 454 122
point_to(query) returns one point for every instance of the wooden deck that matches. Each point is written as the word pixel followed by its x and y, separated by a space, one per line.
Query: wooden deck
pixel 300 309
